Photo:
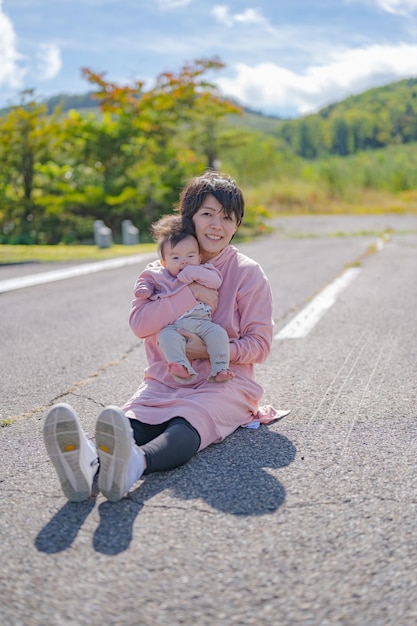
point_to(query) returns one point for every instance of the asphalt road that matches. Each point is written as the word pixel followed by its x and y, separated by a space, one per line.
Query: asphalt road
pixel 310 521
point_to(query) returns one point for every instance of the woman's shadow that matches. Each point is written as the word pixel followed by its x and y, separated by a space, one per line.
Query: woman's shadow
pixel 230 477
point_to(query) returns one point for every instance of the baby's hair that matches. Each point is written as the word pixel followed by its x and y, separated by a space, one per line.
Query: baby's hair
pixel 170 229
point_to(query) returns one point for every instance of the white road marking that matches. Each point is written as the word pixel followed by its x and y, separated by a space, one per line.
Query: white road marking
pixel 303 323
pixel 380 244
pixel 70 272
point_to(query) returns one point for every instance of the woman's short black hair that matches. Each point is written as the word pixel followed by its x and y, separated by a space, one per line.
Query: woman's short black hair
pixel 222 187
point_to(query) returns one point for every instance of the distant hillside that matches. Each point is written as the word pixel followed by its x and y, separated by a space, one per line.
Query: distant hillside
pixel 87 103
pixel 377 118
pixel 392 96
pixel 252 119
pixel 68 102
pixel 255 120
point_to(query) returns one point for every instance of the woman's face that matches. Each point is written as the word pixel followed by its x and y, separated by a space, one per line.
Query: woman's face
pixel 213 227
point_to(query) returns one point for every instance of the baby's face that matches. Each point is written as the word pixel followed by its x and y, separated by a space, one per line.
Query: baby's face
pixel 186 252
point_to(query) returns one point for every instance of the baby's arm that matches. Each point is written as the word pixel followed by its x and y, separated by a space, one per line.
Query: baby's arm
pixel 206 275
pixel 142 290
pixel 146 284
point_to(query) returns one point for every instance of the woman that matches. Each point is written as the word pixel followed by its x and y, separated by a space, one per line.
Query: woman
pixel 170 421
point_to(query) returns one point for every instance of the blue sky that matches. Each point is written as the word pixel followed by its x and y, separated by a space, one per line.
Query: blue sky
pixel 283 57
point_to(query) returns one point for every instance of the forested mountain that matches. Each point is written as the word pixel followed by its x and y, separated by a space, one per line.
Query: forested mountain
pixel 65 101
pixel 68 102
pixel 374 119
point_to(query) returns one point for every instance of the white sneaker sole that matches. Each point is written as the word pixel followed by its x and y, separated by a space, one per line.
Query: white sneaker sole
pixel 62 434
pixel 114 444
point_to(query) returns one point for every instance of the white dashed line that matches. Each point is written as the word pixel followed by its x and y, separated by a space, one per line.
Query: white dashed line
pixel 70 272
pixel 303 323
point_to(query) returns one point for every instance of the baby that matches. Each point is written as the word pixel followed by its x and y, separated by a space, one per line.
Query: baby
pixel 180 264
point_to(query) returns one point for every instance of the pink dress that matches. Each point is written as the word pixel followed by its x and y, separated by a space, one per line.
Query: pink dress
pixel 245 312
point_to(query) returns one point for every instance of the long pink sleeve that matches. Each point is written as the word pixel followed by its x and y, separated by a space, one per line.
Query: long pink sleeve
pixel 206 275
pixel 251 331
pixel 147 317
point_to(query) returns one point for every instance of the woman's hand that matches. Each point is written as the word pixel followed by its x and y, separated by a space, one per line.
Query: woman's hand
pixel 195 348
pixel 205 295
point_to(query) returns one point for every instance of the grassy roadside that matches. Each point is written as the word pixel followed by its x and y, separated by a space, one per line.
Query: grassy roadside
pixel 252 228
pixel 63 253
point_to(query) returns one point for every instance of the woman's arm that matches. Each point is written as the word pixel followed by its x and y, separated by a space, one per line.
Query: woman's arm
pixel 254 303
pixel 147 317
pixel 253 320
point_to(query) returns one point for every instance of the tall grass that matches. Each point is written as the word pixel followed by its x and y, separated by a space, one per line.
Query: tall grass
pixel 374 181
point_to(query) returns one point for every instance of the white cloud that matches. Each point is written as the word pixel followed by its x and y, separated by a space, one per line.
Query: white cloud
pixel 15 68
pixel 11 75
pixel 250 16
pixel 222 14
pixel 397 7
pixel 275 89
pixel 173 4
pixel 49 61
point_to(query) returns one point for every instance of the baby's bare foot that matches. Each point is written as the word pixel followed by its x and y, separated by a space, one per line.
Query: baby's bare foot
pixel 223 376
pixel 180 371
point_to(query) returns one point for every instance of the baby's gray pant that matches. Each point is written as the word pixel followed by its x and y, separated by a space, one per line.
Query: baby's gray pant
pixel 173 344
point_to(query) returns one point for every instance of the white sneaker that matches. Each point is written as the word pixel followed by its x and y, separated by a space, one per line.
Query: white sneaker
pixel 72 454
pixel 122 463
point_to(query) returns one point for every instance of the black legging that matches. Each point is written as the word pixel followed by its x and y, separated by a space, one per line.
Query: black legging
pixel 166 445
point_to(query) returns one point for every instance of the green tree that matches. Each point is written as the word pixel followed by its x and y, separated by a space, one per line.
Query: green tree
pixel 27 135
pixel 60 173
pixel 149 141
pixel 341 136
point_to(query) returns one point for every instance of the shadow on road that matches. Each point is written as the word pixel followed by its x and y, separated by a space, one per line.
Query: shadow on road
pixel 230 478
pixel 60 532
